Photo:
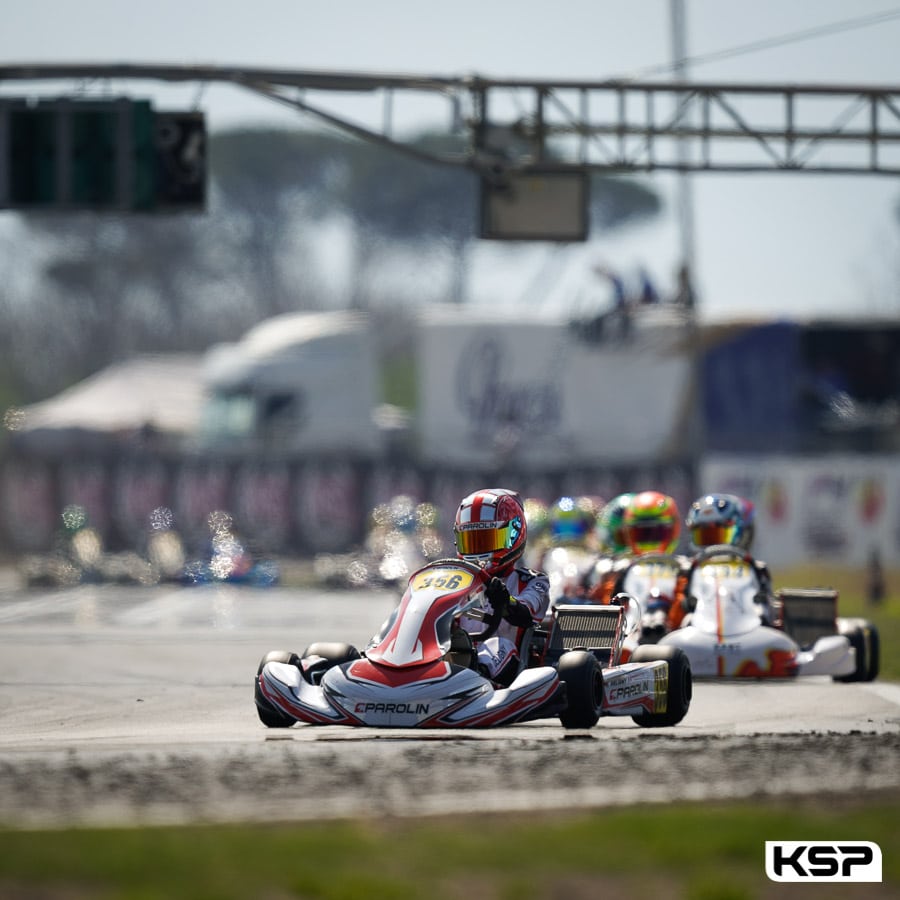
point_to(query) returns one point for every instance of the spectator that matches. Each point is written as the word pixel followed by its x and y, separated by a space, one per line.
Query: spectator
pixel 647 293
pixel 684 290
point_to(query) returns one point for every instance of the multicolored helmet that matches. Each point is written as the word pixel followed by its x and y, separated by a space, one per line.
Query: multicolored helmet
pixel 720 519
pixel 571 521
pixel 609 529
pixel 491 529
pixel 652 523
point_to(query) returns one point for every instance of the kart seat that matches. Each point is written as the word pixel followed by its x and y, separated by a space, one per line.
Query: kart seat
pixel 462 650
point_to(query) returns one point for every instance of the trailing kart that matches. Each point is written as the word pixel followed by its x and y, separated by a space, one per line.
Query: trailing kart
pixel 652 580
pixel 725 635
pixel 421 669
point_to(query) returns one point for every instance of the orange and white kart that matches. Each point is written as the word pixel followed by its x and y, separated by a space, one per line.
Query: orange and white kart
pixel 724 634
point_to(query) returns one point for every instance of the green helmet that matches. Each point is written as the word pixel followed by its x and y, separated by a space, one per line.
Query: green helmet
pixel 610 533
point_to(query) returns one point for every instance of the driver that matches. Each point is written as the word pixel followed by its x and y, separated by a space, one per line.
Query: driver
pixel 649 522
pixel 600 579
pixel 491 532
pixel 726 519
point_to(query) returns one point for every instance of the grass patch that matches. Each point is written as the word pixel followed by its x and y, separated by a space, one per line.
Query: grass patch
pixel 681 850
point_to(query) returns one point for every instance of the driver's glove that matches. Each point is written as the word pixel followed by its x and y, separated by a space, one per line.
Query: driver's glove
pixel 498 595
pixel 518 614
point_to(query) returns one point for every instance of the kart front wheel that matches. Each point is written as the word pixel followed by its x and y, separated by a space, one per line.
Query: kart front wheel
pixel 328 655
pixel 583 676
pixel 680 684
pixel 269 715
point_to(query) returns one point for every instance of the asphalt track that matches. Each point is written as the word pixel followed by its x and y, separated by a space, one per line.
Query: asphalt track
pixel 129 705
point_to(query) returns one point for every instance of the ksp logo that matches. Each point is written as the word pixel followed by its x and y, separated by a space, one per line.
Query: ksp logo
pixel 809 861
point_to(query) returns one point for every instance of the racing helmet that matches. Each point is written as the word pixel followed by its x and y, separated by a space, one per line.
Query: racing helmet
pixel 609 527
pixel 571 521
pixel 651 523
pixel 491 529
pixel 720 519
pixel 716 519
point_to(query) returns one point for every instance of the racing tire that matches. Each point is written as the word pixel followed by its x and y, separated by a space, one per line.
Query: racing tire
pixel 864 639
pixel 582 675
pixel 269 715
pixel 681 684
pixel 331 653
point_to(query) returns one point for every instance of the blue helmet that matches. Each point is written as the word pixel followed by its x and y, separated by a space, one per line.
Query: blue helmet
pixel 572 520
pixel 720 519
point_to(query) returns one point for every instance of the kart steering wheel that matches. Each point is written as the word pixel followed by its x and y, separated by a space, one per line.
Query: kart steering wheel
pixel 491 621
pixel 718 550
pixel 654 557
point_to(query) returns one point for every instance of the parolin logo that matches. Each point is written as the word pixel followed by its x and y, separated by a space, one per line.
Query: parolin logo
pixel 418 709
pixel 811 861
pixel 627 691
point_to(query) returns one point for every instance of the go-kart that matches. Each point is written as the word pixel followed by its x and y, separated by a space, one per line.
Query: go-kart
pixel 651 579
pixel 725 634
pixel 421 669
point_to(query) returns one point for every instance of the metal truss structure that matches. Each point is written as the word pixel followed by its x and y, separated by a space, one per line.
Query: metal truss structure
pixel 613 126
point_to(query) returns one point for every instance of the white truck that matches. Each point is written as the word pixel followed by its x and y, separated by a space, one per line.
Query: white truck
pixel 299 382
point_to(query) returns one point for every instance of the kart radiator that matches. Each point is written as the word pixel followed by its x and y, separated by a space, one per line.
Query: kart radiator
pixel 587 627
pixel 808 613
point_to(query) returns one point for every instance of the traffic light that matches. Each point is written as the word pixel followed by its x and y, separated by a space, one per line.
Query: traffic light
pixel 180 153
pixel 116 155
pixel 31 168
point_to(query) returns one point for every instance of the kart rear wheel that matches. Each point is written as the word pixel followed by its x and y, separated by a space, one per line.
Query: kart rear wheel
pixel 864 639
pixel 681 684
pixel 583 676
pixel 269 715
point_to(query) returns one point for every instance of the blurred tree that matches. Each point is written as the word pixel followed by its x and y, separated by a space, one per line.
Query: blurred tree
pixel 102 287
pixel 274 186
pixel 394 199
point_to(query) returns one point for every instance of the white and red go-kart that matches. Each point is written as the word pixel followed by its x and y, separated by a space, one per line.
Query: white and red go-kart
pixel 725 637
pixel 421 671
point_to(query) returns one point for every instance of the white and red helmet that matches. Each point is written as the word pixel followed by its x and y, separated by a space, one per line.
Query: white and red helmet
pixel 491 530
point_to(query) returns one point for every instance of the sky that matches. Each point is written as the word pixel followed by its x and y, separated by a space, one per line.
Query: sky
pixel 766 245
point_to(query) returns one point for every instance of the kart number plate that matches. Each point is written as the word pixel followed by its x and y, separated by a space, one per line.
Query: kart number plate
pixel 725 569
pixel 443 579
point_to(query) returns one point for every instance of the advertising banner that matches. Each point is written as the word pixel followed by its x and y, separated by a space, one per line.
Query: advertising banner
pixel 840 509
pixel 539 394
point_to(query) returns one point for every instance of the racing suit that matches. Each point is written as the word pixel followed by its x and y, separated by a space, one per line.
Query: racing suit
pixel 604 580
pixel 765 599
pixel 529 596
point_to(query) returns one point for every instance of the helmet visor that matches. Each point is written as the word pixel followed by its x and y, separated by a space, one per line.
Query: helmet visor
pixel 569 529
pixel 475 541
pixel 651 533
pixel 714 533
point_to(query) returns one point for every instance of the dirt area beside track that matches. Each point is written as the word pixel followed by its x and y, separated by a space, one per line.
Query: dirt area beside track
pixel 283 779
